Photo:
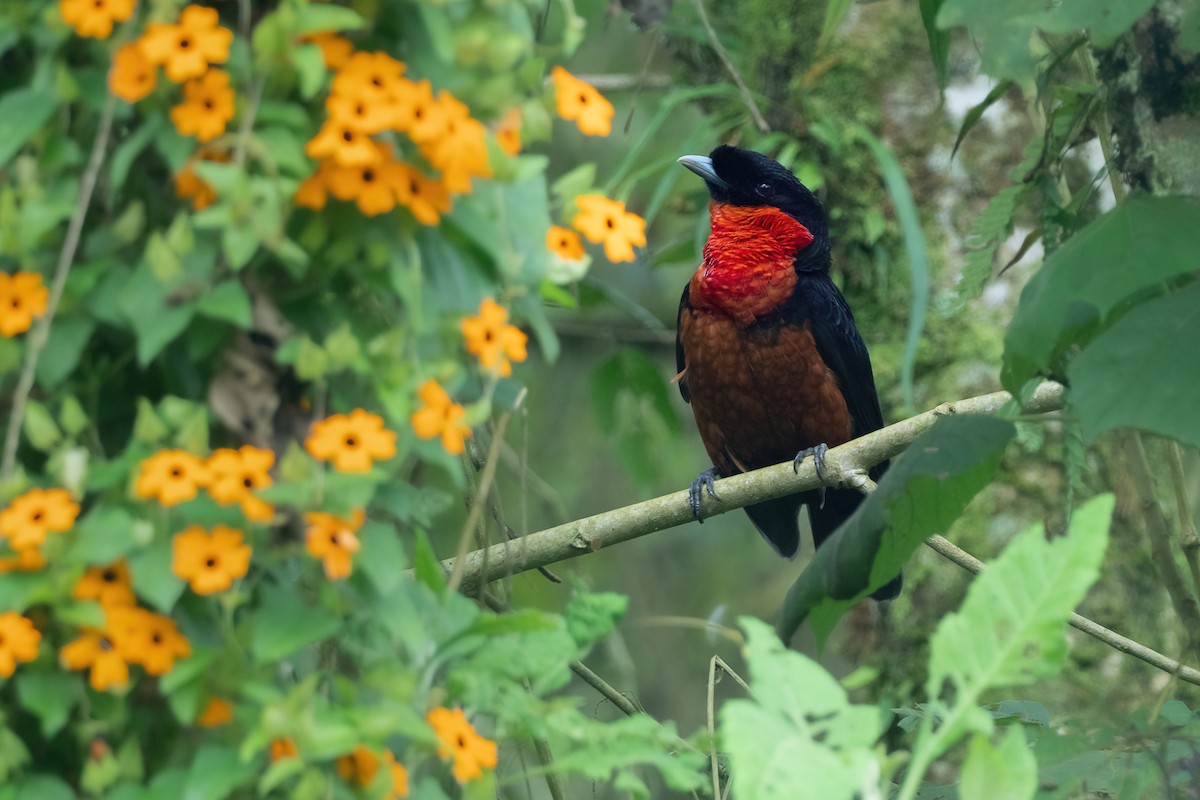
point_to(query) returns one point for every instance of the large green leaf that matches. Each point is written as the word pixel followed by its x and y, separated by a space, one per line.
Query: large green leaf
pixel 1137 247
pixel 1133 374
pixel 22 113
pixel 1010 630
pixel 285 623
pixel 799 731
pixel 925 490
pixel 215 772
pixel 49 695
pixel 1003 30
pixel 68 337
pixel 939 40
pixel 1007 772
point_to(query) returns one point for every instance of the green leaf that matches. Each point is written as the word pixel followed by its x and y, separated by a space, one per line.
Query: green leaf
pixel 129 149
pixel 426 565
pixel 382 559
pixel 157 327
pixel 1007 772
pixel 633 405
pixel 1189 28
pixel 310 66
pixel 43 787
pixel 22 113
pixel 914 249
pixel 40 427
pixel 590 617
pixel 322 18
pixel 148 427
pixel 239 243
pixel 72 417
pixel 286 622
pixel 68 337
pixel 228 301
pixel 215 772
pixel 939 40
pixel 1011 628
pixel 153 579
pixel 923 492
pixel 101 537
pixel 49 696
pixel 1131 374
pixel 799 731
pixel 835 12
pixel 975 113
pixel 1139 246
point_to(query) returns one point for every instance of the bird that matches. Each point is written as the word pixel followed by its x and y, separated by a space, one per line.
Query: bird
pixel 767 351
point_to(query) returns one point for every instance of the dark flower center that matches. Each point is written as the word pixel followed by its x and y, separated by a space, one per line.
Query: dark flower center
pixel 347 136
pixel 610 222
pixel 156 637
pixel 38 516
pixel 351 441
pixel 185 43
pixel 368 175
pixel 208 104
pixel 109 576
pixel 414 187
pixel 248 482
pixel 210 562
pixel 15 302
pixel 176 472
pixel 583 98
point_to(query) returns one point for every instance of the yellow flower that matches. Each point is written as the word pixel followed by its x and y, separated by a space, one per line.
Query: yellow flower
pixel 132 77
pixel 604 220
pixel 283 748
pixel 374 188
pixel 374 74
pixel 190 185
pixel 98 652
pixel 171 476
pixel 217 712
pixel 438 416
pixel 110 586
pixel 235 474
pixel 470 751
pixel 359 111
pixel 454 143
pixel 207 106
pixel 30 516
pixel 564 243
pixel 146 638
pixel 28 559
pixel 95 18
pixel 414 107
pixel 18 642
pixel 332 539
pixel 185 49
pixel 399 776
pixel 335 49
pixel 426 198
pixel 508 131
pixel 210 562
pixel 579 101
pixel 22 298
pixel 342 144
pixel 492 339
pixel 358 766
pixel 313 191
pixel 353 442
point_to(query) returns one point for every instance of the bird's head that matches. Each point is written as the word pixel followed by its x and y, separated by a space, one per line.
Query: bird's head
pixel 755 188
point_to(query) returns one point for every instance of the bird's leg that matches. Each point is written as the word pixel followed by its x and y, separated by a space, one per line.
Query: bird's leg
pixel 702 483
pixel 818 455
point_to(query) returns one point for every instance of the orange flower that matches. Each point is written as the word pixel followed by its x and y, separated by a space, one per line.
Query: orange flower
pixel 210 562
pixel 95 18
pixel 564 243
pixel 459 741
pixel 358 766
pixel 342 144
pixel 332 539
pixel 359 110
pixel 207 106
pixel 351 441
pixel 110 586
pixel 604 220
pixel 375 74
pixel 190 185
pixel 217 712
pixel 313 191
pixel 399 776
pixel 186 48
pixel 18 642
pixel 426 198
pixel 30 516
pixel 132 77
pixel 579 101
pixel 146 638
pixel 414 107
pixel 492 339
pixel 335 49
pixel 283 748
pixel 22 297
pixel 29 559
pixel 508 131
pixel 171 477
pixel 98 652
pixel 235 474
pixel 374 188
pixel 453 142
pixel 438 416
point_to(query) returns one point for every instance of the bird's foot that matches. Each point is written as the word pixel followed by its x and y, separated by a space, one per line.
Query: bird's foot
pixel 703 483
pixel 818 456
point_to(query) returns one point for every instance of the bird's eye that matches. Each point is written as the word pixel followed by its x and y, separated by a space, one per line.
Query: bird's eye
pixel 764 190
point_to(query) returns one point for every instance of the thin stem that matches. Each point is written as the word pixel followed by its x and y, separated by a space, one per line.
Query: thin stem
pixel 1189 540
pixel 760 121
pixel 41 333
pixel 1103 127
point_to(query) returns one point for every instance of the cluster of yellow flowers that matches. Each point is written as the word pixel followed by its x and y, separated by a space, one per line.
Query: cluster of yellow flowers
pixel 23 298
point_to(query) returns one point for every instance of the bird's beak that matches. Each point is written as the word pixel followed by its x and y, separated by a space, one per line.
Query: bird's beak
pixel 703 166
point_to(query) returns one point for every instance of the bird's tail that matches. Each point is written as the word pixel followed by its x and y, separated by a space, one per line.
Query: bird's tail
pixel 777 521
pixel 827 517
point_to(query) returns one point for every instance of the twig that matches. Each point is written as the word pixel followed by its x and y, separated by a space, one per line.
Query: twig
pixel 485 485
pixel 612 527
pixel 1189 540
pixel 41 334
pixel 546 758
pixel 1094 629
pixel 605 688
pixel 1103 126
pixel 759 121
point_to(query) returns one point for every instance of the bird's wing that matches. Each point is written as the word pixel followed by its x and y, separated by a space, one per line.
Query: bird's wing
pixel 843 350
pixel 680 356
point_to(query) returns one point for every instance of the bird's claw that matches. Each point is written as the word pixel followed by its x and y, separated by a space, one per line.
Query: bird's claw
pixel 818 456
pixel 702 483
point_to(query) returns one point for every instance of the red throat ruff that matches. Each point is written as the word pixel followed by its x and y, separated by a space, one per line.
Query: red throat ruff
pixel 748 267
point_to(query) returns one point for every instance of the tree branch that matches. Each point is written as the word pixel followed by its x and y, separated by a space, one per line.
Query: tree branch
pixel 846 464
